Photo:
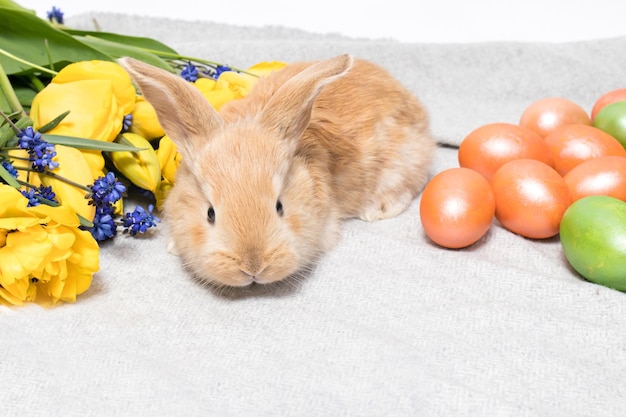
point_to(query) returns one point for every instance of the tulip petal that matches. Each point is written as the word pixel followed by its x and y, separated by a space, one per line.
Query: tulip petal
pixel 95 160
pixel 145 121
pixel 123 89
pixel 94 111
pixel 219 97
pixel 74 166
pixel 15 293
pixel 239 84
pixel 169 158
pixel 22 254
pixel 266 67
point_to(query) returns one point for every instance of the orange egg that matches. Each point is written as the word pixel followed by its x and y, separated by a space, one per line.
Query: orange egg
pixel 545 115
pixel 606 99
pixel 605 175
pixel 531 198
pixel 572 144
pixel 488 147
pixel 457 207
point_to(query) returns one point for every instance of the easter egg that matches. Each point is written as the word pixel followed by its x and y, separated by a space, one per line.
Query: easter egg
pixel 546 114
pixel 531 198
pixel 457 207
pixel 573 144
pixel 605 175
pixel 612 119
pixel 488 147
pixel 606 99
pixel 593 237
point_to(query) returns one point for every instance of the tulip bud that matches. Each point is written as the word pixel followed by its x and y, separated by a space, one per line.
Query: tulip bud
pixel 169 158
pixel 142 167
pixel 145 122
pixel 74 167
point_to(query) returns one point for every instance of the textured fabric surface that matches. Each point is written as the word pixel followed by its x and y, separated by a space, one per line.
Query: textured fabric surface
pixel 388 324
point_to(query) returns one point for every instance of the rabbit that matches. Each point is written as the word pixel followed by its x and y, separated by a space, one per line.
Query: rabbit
pixel 265 183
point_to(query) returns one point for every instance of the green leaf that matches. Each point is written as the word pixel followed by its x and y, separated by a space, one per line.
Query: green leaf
pixel 136 41
pixel 53 123
pixel 84 222
pixel 121 140
pixel 8 136
pixel 8 4
pixel 96 145
pixel 24 92
pixel 28 37
pixel 5 107
pixel 118 50
pixel 8 178
pixel 6 133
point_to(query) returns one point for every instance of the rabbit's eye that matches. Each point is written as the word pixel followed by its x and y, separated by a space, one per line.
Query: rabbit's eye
pixel 211 215
pixel 279 207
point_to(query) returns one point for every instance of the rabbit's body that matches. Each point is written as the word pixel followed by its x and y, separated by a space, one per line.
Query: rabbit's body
pixel 377 154
pixel 264 184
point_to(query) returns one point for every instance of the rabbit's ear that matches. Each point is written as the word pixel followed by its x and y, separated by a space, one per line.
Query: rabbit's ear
pixel 289 109
pixel 183 112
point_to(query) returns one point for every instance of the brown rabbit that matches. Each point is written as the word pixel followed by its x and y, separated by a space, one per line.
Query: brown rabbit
pixel 264 184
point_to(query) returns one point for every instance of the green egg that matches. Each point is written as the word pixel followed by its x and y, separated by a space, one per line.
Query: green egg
pixel 612 120
pixel 593 237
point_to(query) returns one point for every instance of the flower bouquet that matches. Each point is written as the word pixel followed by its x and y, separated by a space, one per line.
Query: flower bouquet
pixel 77 141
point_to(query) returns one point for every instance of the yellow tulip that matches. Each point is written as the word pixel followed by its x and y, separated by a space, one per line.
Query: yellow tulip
pixel 239 84
pixel 94 111
pixel 215 95
pixel 44 256
pixel 232 85
pixel 121 82
pixel 73 166
pixel 169 158
pixel 162 192
pixel 142 167
pixel 95 160
pixel 263 68
pixel 145 122
pixel 205 85
pixel 98 95
pixel 19 158
pixel 118 207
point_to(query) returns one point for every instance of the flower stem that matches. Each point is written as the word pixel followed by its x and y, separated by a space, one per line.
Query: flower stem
pixel 83 221
pixel 18 158
pixel 30 64
pixel 57 177
pixel 8 136
pixel 10 122
pixel 36 83
pixel 189 58
pixel 7 91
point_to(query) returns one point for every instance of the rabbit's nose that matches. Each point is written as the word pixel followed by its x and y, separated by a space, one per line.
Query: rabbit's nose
pixel 253 265
pixel 257 278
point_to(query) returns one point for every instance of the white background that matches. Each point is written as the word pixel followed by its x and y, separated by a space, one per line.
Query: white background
pixel 404 20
